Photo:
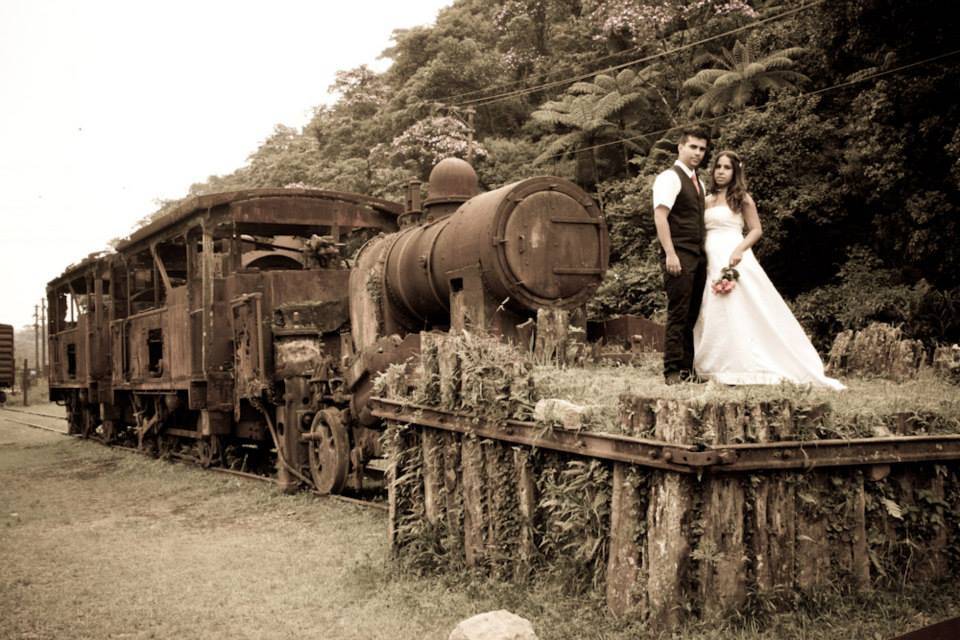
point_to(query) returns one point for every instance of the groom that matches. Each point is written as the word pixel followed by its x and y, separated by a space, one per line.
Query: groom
pixel 678 202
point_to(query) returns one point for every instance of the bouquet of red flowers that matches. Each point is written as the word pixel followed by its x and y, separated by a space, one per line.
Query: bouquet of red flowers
pixel 726 282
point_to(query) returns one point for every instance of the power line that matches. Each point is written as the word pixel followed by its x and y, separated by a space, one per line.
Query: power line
pixel 548 73
pixel 556 83
pixel 840 85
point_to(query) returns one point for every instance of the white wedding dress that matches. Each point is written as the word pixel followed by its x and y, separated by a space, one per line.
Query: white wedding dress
pixel 749 335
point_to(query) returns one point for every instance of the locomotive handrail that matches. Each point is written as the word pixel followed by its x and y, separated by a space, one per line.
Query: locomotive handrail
pixel 658 454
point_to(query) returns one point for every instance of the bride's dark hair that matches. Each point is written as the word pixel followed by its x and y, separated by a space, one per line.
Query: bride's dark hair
pixel 737 189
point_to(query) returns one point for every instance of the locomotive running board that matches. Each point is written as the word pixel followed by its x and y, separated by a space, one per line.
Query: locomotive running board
pixel 804 455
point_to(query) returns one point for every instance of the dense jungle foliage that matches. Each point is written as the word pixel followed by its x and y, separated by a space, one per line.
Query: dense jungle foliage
pixel 841 110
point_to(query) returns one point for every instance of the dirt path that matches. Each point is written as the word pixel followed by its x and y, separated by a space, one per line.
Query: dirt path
pixel 99 543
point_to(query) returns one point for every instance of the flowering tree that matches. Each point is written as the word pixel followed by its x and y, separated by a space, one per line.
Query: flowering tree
pixel 432 139
pixel 636 22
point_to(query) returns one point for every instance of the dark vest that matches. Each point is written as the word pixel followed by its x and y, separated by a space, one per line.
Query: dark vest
pixel 686 216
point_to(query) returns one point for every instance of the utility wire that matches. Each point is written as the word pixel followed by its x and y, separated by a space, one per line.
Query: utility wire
pixel 545 74
pixel 840 85
pixel 556 83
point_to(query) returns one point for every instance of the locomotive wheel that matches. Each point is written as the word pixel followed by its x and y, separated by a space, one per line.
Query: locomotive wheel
pixel 107 431
pixel 166 445
pixel 88 422
pixel 208 451
pixel 74 416
pixel 330 454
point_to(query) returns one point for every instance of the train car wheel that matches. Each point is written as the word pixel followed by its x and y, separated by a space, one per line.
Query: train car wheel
pixel 330 453
pixel 108 431
pixel 166 445
pixel 89 421
pixel 208 451
pixel 74 415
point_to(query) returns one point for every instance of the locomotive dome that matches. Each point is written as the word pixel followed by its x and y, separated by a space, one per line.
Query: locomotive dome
pixel 451 180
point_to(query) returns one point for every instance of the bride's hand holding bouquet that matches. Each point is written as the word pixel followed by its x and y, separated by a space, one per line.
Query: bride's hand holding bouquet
pixel 726 282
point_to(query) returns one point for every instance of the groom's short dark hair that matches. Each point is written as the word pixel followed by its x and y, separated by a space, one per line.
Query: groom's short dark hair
pixel 694 132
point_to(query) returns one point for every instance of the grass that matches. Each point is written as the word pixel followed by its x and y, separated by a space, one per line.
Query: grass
pixel 865 401
pixel 37 394
pixel 100 543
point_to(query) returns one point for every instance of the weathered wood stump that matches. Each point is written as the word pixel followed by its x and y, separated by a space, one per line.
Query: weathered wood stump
pixel 663 544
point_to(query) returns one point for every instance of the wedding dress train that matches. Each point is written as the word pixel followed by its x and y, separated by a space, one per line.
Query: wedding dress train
pixel 749 335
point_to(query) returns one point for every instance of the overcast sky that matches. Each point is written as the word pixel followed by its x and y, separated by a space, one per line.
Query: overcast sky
pixel 109 105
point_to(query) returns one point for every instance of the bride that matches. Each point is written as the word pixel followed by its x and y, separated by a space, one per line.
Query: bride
pixel 745 334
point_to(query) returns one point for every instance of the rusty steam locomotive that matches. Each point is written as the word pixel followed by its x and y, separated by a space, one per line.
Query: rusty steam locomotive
pixel 245 329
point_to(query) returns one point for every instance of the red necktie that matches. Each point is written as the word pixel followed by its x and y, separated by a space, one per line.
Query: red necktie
pixel 696 187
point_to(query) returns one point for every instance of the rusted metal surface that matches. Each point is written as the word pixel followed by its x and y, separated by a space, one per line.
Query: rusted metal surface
pixel 6 356
pixel 657 454
pixel 649 453
pixel 811 454
pixel 343 204
pixel 254 306
pixel 539 242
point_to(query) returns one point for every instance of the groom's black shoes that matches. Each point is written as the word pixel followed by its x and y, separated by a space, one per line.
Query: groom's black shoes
pixel 678 377
pixel 673 377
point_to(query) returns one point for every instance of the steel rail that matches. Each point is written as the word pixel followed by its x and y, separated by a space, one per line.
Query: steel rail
pixel 34 413
pixel 658 454
pixel 35 426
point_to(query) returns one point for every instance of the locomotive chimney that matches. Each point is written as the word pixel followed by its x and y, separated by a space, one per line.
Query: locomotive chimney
pixel 452 182
pixel 413 208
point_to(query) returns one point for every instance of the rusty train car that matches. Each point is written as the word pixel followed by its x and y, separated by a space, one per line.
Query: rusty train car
pixel 7 360
pixel 245 329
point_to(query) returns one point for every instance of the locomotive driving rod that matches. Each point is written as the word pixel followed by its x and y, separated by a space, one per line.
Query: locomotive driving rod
pixel 726 458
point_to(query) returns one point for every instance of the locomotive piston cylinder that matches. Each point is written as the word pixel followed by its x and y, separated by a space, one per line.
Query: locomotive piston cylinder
pixel 540 242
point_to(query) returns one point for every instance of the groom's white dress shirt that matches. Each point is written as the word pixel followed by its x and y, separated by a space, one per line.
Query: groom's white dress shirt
pixel 667 186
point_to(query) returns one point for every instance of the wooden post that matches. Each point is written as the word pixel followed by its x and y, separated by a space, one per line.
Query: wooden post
pixel 453 496
pixel 624 593
pixel 429 383
pixel 861 560
pixel 474 522
pixel 527 505
pixel 449 372
pixel 404 482
pixel 432 475
pixel 25 382
pixel 502 506
pixel 774 510
pixel 813 548
pixel 637 415
pixel 722 552
pixel 668 522
pixel 392 498
pixel 551 340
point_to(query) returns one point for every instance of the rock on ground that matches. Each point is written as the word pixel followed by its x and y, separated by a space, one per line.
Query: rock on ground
pixel 494 625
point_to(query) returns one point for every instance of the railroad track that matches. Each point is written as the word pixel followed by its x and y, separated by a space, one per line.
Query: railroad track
pixel 6 411
pixel 34 413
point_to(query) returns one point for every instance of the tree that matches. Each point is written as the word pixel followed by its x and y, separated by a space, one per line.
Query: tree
pixel 594 111
pixel 430 140
pixel 739 78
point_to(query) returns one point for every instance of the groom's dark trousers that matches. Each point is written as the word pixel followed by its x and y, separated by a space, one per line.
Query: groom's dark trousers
pixel 684 295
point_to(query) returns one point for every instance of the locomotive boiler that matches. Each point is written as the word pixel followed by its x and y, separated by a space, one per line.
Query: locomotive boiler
pixel 246 329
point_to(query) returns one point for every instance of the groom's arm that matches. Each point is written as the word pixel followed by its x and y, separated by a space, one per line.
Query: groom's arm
pixel 660 214
pixel 665 190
